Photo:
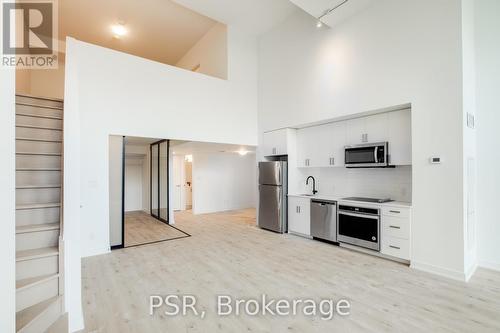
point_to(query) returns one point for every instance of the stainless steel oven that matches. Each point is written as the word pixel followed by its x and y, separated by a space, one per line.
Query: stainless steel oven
pixel 359 226
pixel 367 155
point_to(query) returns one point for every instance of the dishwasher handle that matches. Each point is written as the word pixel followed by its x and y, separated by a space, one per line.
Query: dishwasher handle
pixel 324 202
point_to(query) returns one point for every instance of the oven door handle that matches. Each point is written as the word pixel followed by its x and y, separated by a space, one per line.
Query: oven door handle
pixel 375 154
pixel 373 217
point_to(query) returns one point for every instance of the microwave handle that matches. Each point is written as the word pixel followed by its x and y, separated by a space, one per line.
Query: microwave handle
pixel 375 154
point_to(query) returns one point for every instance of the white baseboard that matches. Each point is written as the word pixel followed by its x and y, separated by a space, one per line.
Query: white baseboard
pixel 490 265
pixel 96 252
pixel 451 274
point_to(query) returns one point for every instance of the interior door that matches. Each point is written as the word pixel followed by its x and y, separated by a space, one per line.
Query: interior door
pixel 178 181
pixel 155 178
pixel 159 179
pixel 163 184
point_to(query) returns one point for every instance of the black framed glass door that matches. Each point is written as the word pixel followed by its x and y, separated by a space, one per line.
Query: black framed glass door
pixel 159 152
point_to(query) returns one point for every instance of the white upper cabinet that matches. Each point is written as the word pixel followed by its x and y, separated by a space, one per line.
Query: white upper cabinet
pixel 367 129
pixel 335 144
pixel 355 131
pixel 309 141
pixel 323 145
pixel 275 143
pixel 376 128
pixel 399 130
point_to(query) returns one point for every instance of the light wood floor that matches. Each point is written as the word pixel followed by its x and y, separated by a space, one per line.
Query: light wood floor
pixel 228 255
pixel 141 228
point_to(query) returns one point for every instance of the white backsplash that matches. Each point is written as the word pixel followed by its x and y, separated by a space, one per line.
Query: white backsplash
pixel 394 183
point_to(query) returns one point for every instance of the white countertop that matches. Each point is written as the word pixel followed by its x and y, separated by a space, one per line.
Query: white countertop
pixel 340 199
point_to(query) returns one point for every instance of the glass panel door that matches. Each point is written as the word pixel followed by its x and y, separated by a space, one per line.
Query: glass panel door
pixel 164 147
pixel 159 180
pixel 154 180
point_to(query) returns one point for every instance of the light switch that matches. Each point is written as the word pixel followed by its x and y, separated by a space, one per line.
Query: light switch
pixel 435 160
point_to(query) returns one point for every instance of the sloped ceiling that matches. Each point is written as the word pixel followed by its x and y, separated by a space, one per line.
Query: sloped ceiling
pixel 160 30
pixel 316 8
pixel 252 16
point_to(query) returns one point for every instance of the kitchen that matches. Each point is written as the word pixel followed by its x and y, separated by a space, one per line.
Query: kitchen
pixel 345 181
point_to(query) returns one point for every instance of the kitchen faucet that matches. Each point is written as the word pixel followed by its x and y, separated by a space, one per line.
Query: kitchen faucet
pixel 314 184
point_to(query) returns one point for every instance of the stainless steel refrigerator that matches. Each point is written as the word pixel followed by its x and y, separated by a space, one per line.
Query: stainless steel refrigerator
pixel 273 192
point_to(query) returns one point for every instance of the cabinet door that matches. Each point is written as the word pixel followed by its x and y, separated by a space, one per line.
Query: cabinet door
pixel 275 143
pixel 376 128
pixel 298 215
pixel 308 147
pixel 268 143
pixel 399 130
pixel 337 143
pixel 355 130
pixel 324 150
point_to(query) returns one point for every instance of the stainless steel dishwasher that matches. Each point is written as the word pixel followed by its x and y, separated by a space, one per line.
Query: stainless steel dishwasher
pixel 324 220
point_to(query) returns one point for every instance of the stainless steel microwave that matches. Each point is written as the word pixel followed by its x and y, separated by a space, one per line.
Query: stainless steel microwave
pixel 367 155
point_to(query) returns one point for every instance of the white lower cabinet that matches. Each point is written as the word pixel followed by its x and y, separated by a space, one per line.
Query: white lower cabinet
pixel 396 247
pixel 395 232
pixel 299 219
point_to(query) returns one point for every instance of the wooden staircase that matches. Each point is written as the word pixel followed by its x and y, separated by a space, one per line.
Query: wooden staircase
pixel 39 282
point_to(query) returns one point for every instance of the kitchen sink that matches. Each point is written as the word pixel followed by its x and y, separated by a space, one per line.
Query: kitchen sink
pixel 307 195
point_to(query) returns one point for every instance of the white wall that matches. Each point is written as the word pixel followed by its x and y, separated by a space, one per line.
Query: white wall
pixel 469 137
pixel 115 189
pixel 209 53
pixel 116 93
pixel 7 198
pixel 223 181
pixel 395 52
pixel 487 23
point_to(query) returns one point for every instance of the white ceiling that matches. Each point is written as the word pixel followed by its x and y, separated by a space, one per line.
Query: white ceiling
pixel 316 8
pixel 159 30
pixel 251 16
pixel 188 148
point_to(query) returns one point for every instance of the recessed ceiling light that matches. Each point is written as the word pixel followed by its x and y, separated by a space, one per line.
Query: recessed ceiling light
pixel 242 152
pixel 319 24
pixel 118 30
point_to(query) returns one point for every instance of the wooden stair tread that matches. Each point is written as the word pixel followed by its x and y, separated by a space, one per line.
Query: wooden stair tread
pixel 38 206
pixel 30 282
pixel 37 140
pixel 24 187
pixel 41 98
pixel 61 325
pixel 38 169
pixel 27 315
pixel 37 253
pixel 38 116
pixel 35 153
pixel 40 127
pixel 37 228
